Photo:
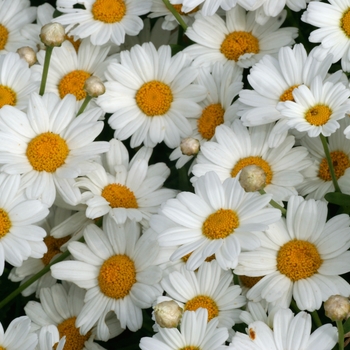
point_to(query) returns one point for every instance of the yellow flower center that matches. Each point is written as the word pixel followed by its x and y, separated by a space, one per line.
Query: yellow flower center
pixel 345 22
pixel 253 160
pixel 239 43
pixel 248 281
pixel 318 115
pixel 204 302
pixel 4 34
pixel 75 43
pixel 190 347
pixel 178 9
pixel 298 259
pixel 1 348
pixel 5 223
pixel 154 98
pixel 47 152
pixel 220 224
pixel 74 340
pixel 288 94
pixel 212 116
pixel 340 163
pixel 119 196
pixel 7 96
pixel 117 276
pixel 108 11
pixel 53 247
pixel 73 83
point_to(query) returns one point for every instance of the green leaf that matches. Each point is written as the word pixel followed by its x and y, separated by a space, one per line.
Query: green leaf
pixel 338 198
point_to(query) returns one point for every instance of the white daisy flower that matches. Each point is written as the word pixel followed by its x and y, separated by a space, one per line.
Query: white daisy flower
pixel 301 257
pixel 238 40
pixel 289 332
pixel 217 219
pixel 195 333
pixel 209 6
pixel 50 146
pixel 237 148
pixel 151 96
pixel 119 276
pixel 14 14
pixel 258 312
pixel 316 109
pixel 103 20
pixel 125 189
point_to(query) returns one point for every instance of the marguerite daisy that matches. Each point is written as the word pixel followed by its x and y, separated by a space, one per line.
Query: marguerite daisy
pixel 209 6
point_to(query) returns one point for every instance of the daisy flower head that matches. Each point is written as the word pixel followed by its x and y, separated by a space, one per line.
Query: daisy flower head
pixel 217 219
pixel 301 256
pixel 195 333
pixel 289 332
pixel 119 276
pixel 49 146
pixel 238 40
pixel 237 148
pixel 151 96
pixel 317 108
pixel 103 20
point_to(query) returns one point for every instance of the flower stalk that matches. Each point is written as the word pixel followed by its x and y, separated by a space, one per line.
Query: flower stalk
pixel 178 17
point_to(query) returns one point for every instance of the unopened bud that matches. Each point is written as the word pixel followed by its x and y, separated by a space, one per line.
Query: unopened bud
pixel 28 54
pixel 337 307
pixel 168 314
pixel 52 34
pixel 189 146
pixel 94 86
pixel 252 178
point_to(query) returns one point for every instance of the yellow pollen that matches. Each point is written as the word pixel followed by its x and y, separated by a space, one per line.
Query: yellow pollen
pixel 345 22
pixel 340 163
pixel 204 302
pixel 7 96
pixel 73 83
pixel 252 334
pixel 318 115
pixel 119 196
pixel 220 224
pixel 117 276
pixel 212 116
pixel 248 281
pixel 239 43
pixel 178 9
pixel 53 247
pixel 47 152
pixel 108 11
pixel 298 259
pixel 5 223
pixel 253 160
pixel 288 94
pixel 75 43
pixel 154 98
pixel 4 34
pixel 74 340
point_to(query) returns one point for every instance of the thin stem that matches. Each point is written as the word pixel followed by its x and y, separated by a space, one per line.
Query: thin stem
pixel 316 319
pixel 45 69
pixel 294 306
pixel 178 17
pixel 85 103
pixel 330 163
pixel 275 204
pixel 340 335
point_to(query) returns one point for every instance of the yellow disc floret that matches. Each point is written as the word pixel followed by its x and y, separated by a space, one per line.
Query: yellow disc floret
pixel 53 247
pixel 73 83
pixel 239 43
pixel 47 152
pixel 340 163
pixel 117 276
pixel 7 96
pixel 318 115
pixel 204 302
pixel 190 347
pixel 75 43
pixel 108 11
pixel 288 94
pixel 220 224
pixel 298 259
pixel 248 281
pixel 119 196
pixel 5 223
pixel 345 22
pixel 154 98
pixel 212 116
pixel 178 9
pixel 4 34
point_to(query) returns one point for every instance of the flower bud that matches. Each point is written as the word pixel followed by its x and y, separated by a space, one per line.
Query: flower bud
pixel 28 54
pixel 168 314
pixel 252 178
pixel 337 307
pixel 189 146
pixel 94 86
pixel 52 34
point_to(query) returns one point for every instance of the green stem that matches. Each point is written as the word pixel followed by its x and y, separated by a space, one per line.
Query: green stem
pixel 275 204
pixel 85 103
pixel 45 69
pixel 330 163
pixel 294 306
pixel 316 319
pixel 340 335
pixel 178 17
